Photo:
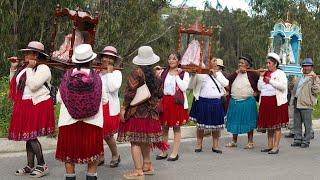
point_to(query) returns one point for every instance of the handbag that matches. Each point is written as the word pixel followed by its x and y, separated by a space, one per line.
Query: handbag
pixel 178 96
pixel 141 96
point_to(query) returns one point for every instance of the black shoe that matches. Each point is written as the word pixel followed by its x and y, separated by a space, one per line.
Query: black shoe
pixel 304 145
pixel 161 157
pixel 101 163
pixel 216 151
pixel 266 150
pixel 295 144
pixel 274 152
pixel 290 135
pixel 70 178
pixel 91 177
pixel 173 159
pixel 115 163
pixel 198 150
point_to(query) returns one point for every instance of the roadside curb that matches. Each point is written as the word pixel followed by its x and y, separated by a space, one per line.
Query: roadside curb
pixel 47 143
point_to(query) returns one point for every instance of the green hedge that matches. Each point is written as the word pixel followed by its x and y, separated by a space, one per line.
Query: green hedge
pixel 5 106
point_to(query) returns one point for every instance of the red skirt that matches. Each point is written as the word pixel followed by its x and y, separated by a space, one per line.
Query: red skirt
pixel 79 143
pixel 29 121
pixel 173 114
pixel 272 116
pixel 110 123
pixel 142 130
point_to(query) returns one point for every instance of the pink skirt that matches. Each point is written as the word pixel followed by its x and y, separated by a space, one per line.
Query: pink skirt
pixel 30 121
pixel 79 143
pixel 173 114
pixel 270 115
pixel 110 123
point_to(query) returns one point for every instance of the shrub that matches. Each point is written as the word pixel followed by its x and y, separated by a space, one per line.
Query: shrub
pixel 5 106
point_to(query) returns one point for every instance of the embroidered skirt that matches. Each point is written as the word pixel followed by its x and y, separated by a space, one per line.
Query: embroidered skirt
pixel 142 130
pixel 207 113
pixel 241 115
pixel 79 143
pixel 110 123
pixel 173 114
pixel 272 116
pixel 29 121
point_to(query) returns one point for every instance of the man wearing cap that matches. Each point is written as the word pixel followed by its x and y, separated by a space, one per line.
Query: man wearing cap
pixel 305 94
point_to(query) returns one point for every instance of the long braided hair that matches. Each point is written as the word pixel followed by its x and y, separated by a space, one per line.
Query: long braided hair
pixel 150 78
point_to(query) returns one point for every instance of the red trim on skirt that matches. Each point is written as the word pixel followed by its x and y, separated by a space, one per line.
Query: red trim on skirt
pixel 29 121
pixel 173 114
pixel 79 143
pixel 110 123
pixel 272 116
pixel 142 130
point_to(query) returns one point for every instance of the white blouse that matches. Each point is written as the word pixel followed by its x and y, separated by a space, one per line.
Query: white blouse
pixel 27 94
pixel 170 86
pixel 279 82
pixel 112 83
pixel 267 90
pixel 171 81
pixel 209 89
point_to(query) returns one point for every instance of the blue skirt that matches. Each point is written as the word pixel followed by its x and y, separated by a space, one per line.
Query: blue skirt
pixel 207 113
pixel 242 115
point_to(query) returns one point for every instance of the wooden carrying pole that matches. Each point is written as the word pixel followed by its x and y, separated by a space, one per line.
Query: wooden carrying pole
pixel 63 66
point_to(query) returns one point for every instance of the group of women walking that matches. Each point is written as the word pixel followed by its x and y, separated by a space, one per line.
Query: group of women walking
pixel 155 100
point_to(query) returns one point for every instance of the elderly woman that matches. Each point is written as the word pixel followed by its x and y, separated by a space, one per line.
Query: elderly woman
pixel 207 108
pixel 242 110
pixel 273 110
pixel 33 111
pixel 80 139
pixel 140 119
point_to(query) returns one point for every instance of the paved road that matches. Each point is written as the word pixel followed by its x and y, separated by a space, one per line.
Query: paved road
pixel 233 164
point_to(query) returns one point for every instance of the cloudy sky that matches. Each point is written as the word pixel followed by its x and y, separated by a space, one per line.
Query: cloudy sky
pixel 231 4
